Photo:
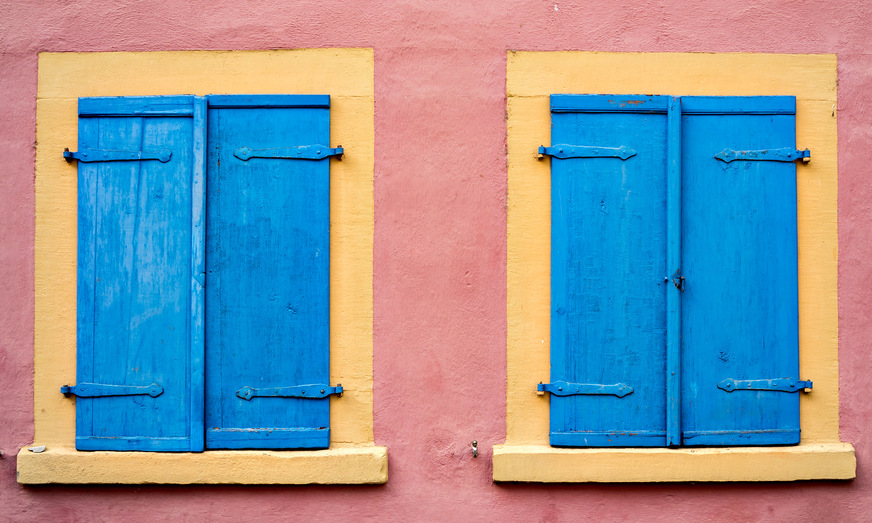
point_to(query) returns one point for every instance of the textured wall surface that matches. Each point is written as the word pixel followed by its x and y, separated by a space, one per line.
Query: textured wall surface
pixel 440 242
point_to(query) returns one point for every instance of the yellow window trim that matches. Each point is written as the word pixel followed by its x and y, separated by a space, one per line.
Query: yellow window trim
pixel 531 78
pixel 347 76
pixel 356 464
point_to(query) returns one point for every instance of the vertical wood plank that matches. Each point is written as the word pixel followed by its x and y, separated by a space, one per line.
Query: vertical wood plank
pixel 673 263
pixel 135 279
pixel 85 280
pixel 198 275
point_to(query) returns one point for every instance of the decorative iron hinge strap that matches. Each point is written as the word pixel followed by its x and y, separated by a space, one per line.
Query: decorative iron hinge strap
pixel 786 154
pixel 316 391
pixel 563 151
pixel 97 390
pixel 105 155
pixel 777 384
pixel 303 152
pixel 562 388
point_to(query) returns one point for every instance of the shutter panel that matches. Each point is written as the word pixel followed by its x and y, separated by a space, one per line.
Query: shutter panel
pixel 739 257
pixel 139 306
pixel 268 238
pixel 608 254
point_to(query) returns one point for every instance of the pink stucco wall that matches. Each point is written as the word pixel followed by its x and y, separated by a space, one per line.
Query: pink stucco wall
pixel 440 241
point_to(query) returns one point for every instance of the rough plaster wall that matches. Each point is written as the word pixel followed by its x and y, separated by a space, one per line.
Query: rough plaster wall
pixel 440 185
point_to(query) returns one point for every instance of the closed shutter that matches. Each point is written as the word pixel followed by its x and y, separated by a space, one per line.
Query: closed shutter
pixel 140 247
pixel 268 237
pixel 674 309
pixel 608 261
pixel 739 257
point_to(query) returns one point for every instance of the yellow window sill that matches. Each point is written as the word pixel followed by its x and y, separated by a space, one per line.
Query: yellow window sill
pixel 338 465
pixel 544 464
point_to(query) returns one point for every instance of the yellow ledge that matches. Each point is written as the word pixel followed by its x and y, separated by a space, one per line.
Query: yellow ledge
pixel 341 465
pixel 544 464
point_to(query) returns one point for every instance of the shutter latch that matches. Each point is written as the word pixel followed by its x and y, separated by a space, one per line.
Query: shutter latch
pixel 105 155
pixel 678 280
pixel 562 388
pixel 777 384
pixel 316 391
pixel 303 152
pixel 564 151
pixel 96 390
pixel 785 154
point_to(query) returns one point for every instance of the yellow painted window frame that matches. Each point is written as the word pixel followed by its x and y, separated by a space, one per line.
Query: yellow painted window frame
pixel 347 76
pixel 531 78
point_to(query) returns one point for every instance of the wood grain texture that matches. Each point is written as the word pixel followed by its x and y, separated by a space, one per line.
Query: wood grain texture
pixel 727 246
pixel 673 264
pixel 739 255
pixel 267 293
pixel 608 256
pixel 198 275
pixel 134 284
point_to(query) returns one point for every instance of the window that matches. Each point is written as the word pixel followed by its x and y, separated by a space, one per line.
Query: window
pixel 347 75
pixel 178 203
pixel 673 271
pixel 532 78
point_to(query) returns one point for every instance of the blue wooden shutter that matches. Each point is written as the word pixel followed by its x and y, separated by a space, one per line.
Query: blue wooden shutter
pixel 739 258
pixel 140 254
pixel 268 238
pixel 608 261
